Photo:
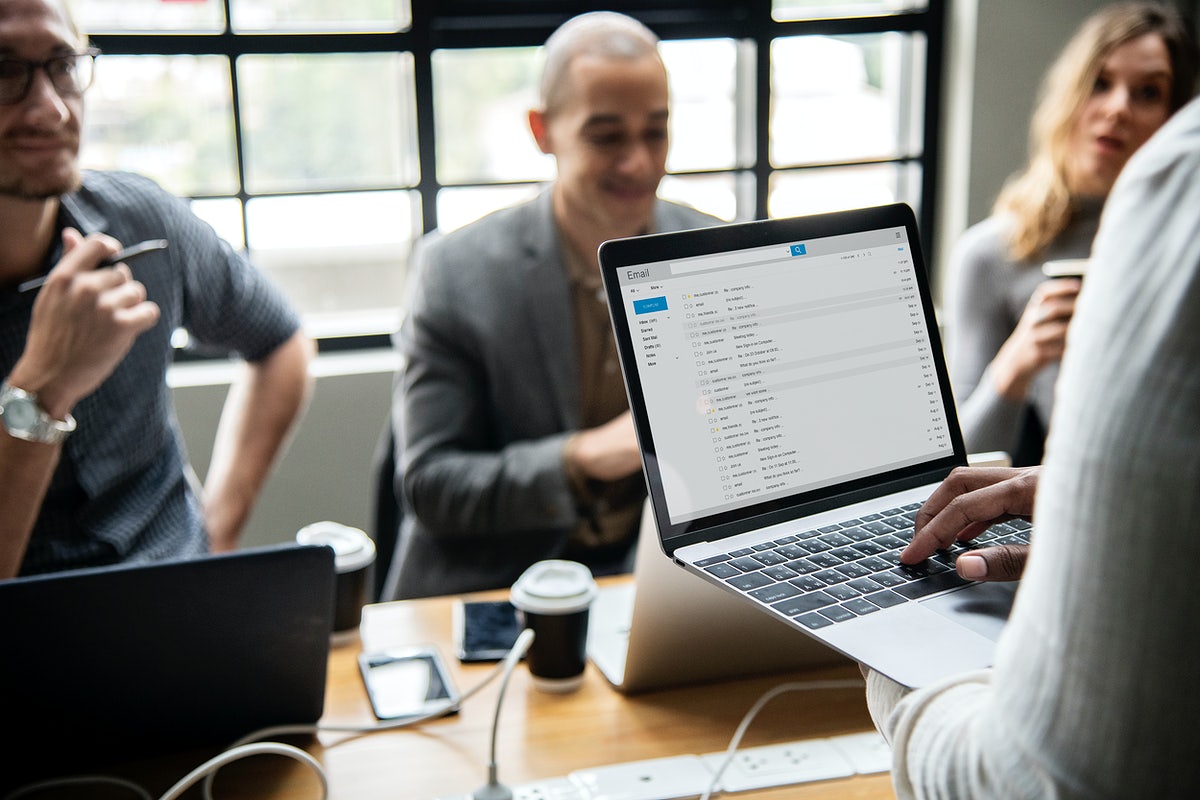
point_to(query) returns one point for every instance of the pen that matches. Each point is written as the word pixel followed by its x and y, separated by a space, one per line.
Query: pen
pixel 127 254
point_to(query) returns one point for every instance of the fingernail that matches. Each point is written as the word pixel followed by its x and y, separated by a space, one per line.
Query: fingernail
pixel 971 567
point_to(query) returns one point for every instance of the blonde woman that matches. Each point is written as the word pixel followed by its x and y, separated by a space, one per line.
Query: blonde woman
pixel 1126 70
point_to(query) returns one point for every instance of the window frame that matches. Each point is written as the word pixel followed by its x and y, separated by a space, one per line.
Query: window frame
pixel 464 24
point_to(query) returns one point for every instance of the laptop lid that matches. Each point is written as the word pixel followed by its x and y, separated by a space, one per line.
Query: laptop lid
pixel 672 628
pixel 779 368
pixel 116 663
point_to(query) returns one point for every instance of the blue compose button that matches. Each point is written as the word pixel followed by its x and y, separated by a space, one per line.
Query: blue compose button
pixel 799 250
pixel 650 305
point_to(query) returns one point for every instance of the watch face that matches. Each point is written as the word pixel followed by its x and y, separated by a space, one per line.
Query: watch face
pixel 24 419
pixel 20 414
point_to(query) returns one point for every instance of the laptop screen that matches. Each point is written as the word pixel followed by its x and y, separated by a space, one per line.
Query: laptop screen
pixel 774 363
pixel 106 663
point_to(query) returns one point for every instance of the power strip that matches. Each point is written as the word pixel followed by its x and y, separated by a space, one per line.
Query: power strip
pixel 689 776
pixel 657 779
pixel 780 765
pixel 553 789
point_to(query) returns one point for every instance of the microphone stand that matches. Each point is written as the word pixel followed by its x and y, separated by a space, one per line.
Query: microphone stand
pixel 493 789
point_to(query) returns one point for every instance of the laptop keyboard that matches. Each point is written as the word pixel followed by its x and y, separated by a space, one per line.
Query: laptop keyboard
pixel 845 570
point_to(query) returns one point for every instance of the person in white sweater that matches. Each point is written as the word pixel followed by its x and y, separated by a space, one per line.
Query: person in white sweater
pixel 1093 691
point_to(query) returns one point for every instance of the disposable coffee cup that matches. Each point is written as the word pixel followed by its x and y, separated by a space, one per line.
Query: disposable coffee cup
pixel 553 598
pixel 1065 268
pixel 353 555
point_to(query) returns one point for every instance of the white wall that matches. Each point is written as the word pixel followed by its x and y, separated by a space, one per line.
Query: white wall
pixel 997 52
pixel 326 471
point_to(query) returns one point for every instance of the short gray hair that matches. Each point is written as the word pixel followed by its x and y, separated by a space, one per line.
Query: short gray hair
pixel 606 34
pixel 81 38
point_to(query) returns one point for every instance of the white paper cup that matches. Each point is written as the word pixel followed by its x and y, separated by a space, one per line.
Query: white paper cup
pixel 354 553
pixel 553 598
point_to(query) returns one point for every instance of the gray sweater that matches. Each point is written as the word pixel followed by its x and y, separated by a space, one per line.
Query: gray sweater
pixel 988 293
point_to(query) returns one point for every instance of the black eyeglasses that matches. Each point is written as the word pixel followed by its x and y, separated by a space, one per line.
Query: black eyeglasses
pixel 70 74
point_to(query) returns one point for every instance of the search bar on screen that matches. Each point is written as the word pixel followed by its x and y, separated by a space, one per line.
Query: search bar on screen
pixel 758 255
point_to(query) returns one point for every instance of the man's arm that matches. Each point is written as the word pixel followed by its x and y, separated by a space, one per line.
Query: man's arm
pixel 461 482
pixel 480 438
pixel 607 452
pixel 84 322
pixel 260 412
pixel 25 471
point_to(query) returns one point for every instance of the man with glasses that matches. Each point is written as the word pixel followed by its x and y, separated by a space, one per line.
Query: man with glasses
pixel 514 438
pixel 71 74
pixel 92 466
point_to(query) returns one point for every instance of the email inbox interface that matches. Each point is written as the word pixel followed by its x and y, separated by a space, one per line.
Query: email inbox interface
pixel 785 368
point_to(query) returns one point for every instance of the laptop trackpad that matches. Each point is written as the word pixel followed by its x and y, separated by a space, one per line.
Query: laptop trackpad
pixel 981 607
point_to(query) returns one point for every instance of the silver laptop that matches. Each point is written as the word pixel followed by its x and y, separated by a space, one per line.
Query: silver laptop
pixel 792 405
pixel 643 636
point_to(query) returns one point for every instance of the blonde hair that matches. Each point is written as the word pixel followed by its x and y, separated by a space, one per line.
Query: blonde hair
pixel 598 33
pixel 1039 199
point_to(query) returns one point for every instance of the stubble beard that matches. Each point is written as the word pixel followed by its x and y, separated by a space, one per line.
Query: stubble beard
pixel 41 177
pixel 41 187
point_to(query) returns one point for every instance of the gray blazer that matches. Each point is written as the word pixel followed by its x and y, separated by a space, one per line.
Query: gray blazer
pixel 486 396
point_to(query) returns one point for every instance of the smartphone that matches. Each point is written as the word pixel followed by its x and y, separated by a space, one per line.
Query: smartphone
pixel 407 682
pixel 484 630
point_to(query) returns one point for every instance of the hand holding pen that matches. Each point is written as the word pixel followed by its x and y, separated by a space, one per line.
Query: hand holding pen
pixel 124 255
pixel 84 322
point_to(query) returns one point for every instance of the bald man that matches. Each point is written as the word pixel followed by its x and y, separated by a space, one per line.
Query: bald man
pixel 514 439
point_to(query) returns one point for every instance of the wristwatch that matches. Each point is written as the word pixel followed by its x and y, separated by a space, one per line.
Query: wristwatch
pixel 25 419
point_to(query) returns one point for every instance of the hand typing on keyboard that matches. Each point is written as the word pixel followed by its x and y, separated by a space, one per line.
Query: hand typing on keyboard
pixel 849 568
pixel 963 507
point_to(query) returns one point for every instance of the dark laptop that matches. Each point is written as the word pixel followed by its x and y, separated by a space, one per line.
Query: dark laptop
pixel 112 664
pixel 793 409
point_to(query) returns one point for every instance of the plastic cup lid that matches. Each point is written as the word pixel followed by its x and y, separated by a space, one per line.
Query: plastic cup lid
pixel 1066 267
pixel 352 549
pixel 554 587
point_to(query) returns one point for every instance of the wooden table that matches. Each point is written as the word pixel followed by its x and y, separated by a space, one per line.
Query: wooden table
pixel 542 735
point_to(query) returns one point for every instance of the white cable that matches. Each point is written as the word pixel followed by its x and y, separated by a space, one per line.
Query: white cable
pixel 79 780
pixel 767 697
pixel 250 745
pixel 209 768
pixel 243 747
pixel 514 654
pixel 440 711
